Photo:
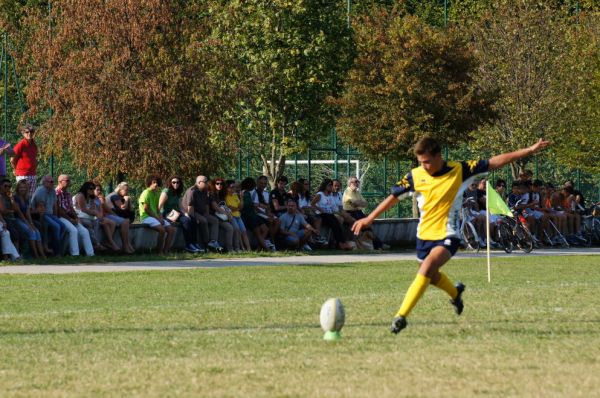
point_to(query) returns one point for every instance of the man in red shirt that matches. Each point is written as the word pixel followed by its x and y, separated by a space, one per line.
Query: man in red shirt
pixel 24 159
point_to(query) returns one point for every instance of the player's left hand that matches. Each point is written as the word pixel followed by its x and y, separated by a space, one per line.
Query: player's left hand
pixel 538 146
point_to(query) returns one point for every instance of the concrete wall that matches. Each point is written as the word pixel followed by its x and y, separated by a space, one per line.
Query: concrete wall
pixel 392 231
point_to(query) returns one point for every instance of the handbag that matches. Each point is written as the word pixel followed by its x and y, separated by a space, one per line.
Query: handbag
pixel 173 215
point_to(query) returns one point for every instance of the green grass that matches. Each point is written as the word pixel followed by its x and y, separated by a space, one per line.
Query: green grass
pixel 253 331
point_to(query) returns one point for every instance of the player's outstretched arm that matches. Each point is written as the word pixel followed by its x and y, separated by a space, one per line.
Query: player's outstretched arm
pixel 387 204
pixel 500 160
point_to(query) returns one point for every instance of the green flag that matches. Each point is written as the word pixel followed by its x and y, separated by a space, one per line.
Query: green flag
pixel 495 203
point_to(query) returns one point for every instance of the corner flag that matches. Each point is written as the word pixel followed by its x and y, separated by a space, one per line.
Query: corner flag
pixel 495 203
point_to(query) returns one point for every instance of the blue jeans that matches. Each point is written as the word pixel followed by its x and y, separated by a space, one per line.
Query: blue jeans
pixel 26 231
pixel 56 230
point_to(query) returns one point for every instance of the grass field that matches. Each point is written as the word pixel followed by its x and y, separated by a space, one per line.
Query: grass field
pixel 533 332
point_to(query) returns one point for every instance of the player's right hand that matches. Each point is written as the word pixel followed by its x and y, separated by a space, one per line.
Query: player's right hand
pixel 360 225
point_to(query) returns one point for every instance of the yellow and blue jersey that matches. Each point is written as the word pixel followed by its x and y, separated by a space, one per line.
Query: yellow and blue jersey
pixel 439 196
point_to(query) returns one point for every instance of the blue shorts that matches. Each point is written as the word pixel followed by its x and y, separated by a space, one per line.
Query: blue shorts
pixel 425 246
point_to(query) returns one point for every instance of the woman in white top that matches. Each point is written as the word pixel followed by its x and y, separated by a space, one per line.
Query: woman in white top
pixel 325 205
pixel 90 216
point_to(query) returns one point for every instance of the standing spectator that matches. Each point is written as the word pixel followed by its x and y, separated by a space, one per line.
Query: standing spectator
pixel 44 206
pixel 24 221
pixel 260 197
pixel 234 203
pixel 108 212
pixel 68 217
pixel 196 206
pixel 171 208
pixel 24 159
pixel 325 205
pixel 90 215
pixel 256 224
pixel 219 209
pixel 150 215
pixel 5 149
pixel 122 202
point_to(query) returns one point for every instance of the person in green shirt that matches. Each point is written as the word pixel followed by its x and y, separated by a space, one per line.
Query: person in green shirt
pixel 151 216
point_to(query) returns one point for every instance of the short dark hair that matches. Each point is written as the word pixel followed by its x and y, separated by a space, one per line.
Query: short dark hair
pixel 151 178
pixel 499 182
pixel 282 178
pixel 248 184
pixel 537 183
pixel 427 146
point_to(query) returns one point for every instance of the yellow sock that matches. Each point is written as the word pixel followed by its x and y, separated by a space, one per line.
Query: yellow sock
pixel 413 294
pixel 447 286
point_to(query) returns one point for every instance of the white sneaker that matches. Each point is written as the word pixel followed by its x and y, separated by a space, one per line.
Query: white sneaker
pixel 307 248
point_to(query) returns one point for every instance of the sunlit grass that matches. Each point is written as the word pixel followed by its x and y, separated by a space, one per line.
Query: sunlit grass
pixel 253 331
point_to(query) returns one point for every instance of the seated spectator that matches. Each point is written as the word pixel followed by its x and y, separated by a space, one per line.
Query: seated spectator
pixel 279 196
pixel 24 221
pixel 552 204
pixel 577 195
pixel 219 209
pixel 122 204
pixel 477 219
pixel 9 251
pixel 295 232
pixel 196 204
pixel 8 213
pixel 90 215
pixel 68 217
pixel 261 201
pixel 170 206
pixel 500 188
pixel 151 216
pixel 43 206
pixel 108 211
pixel 234 203
pixel 304 205
pixel 569 204
pixel 326 207
pixel 534 209
pixel 354 203
pixel 344 218
pixel 256 224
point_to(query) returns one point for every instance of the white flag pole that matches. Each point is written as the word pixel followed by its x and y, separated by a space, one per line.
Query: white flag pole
pixel 487 231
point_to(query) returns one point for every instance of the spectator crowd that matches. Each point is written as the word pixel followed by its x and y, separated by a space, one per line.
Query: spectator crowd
pixel 552 214
pixel 53 219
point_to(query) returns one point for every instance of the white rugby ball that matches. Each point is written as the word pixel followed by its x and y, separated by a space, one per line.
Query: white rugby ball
pixel 332 315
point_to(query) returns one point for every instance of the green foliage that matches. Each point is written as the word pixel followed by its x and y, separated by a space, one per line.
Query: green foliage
pixel 288 59
pixel 408 80
pixel 527 52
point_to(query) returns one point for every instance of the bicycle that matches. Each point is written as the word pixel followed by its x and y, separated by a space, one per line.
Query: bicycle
pixel 468 234
pixel 590 225
pixel 520 235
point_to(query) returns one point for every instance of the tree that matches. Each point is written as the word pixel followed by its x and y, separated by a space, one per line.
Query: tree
pixel 289 58
pixel 409 79
pixel 577 143
pixel 526 52
pixel 127 86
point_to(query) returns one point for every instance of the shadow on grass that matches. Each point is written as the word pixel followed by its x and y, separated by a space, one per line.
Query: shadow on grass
pixel 274 327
